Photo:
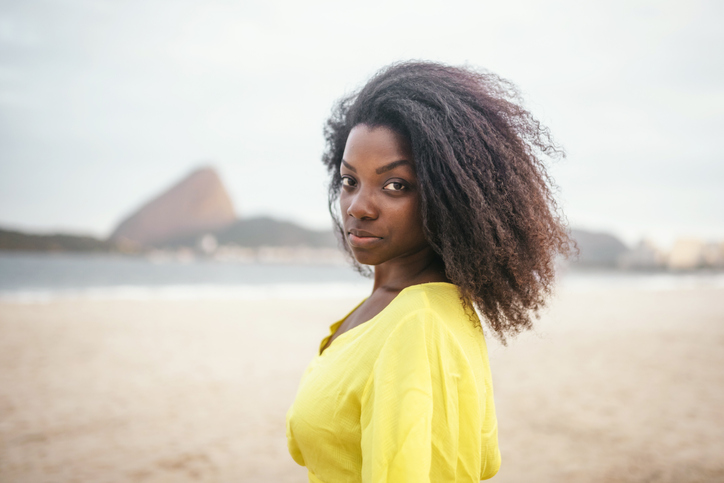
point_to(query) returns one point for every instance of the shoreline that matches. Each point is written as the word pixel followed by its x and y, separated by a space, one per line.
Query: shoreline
pixel 575 282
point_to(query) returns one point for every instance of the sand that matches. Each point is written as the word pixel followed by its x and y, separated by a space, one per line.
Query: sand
pixel 624 386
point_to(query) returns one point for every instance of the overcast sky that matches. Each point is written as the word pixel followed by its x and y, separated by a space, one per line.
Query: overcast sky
pixel 105 103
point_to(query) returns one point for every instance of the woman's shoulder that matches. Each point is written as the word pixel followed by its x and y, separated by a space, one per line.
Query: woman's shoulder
pixel 439 301
pixel 437 310
pixel 431 296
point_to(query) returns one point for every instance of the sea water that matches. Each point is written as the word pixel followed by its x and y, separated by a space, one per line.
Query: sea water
pixel 43 277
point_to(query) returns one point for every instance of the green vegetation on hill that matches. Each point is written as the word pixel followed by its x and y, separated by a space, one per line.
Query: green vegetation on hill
pixel 264 231
pixel 18 241
pixel 267 231
pixel 254 232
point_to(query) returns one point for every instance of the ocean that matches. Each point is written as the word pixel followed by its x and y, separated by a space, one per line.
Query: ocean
pixel 39 277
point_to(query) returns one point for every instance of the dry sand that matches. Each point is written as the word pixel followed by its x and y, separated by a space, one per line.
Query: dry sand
pixel 613 386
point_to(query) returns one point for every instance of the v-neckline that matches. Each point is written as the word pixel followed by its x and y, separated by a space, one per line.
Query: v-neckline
pixel 333 328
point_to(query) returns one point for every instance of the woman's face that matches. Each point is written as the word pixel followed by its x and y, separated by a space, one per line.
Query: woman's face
pixel 379 199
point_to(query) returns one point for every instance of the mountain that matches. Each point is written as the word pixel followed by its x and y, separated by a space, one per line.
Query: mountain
pixel 17 241
pixel 197 204
pixel 597 249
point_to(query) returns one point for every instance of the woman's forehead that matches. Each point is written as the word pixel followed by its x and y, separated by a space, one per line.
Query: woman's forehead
pixel 377 147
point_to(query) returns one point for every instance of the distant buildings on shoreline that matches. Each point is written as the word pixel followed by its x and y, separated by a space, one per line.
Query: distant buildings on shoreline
pixel 686 254
pixel 603 250
pixel 208 248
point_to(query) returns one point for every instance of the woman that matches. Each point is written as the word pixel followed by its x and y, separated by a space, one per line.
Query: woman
pixel 436 182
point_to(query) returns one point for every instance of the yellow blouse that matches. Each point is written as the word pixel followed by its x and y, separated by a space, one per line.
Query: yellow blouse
pixel 405 396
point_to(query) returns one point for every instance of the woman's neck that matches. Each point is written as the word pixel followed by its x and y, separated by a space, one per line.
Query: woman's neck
pixel 420 267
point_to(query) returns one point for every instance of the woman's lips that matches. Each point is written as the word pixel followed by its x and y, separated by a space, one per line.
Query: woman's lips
pixel 362 241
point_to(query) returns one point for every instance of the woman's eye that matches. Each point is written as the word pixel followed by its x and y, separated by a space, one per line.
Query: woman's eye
pixel 394 186
pixel 346 181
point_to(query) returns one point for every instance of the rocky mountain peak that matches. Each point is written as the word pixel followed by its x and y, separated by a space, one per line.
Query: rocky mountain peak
pixel 198 203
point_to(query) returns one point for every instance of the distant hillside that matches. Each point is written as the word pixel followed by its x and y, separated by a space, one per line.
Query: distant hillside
pixel 597 249
pixel 267 231
pixel 18 241
pixel 264 231
pixel 253 232
pixel 198 203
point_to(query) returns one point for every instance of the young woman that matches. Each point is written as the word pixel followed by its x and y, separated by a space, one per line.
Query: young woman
pixel 437 182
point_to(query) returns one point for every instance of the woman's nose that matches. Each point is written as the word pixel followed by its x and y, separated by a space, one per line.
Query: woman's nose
pixel 362 205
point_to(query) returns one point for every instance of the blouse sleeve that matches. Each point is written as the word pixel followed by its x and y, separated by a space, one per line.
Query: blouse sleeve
pixel 421 414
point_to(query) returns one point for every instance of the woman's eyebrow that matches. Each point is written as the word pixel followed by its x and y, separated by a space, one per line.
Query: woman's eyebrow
pixel 382 169
pixel 392 165
pixel 349 166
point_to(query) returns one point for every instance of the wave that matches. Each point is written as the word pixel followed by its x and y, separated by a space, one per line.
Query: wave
pixel 580 282
pixel 286 291
pixel 570 282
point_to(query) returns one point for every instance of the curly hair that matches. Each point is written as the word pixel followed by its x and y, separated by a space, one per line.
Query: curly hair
pixel 485 197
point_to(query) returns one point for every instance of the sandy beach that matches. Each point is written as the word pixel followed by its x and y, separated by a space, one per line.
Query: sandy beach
pixel 613 386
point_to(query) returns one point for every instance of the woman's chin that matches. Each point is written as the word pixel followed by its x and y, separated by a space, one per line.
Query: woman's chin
pixel 364 257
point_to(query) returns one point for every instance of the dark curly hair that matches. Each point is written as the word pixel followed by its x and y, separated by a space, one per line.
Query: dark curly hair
pixel 485 196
